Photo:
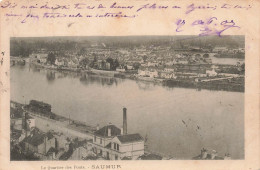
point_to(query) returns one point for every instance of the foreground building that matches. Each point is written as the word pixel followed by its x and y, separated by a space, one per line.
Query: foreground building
pixel 113 143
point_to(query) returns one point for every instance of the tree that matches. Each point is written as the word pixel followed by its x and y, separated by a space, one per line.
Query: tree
pixel 111 62
pixel 116 64
pixel 84 62
pixel 136 65
pixel 51 58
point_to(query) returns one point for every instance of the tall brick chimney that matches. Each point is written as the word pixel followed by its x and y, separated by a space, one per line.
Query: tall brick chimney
pixel 124 121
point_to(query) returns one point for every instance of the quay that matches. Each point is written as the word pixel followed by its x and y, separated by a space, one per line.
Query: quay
pixel 60 138
pixel 47 124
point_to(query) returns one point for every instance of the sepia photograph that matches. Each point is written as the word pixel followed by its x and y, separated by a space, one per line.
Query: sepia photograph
pixel 127 98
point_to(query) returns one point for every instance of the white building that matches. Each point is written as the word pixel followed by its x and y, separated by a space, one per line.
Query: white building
pixel 59 62
pixel 152 73
pixel 120 69
pixel 127 146
pixel 113 143
pixel 38 57
pixel 141 72
pixel 211 73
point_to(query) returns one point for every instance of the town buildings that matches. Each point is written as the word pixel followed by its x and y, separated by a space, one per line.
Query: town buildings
pixel 39 142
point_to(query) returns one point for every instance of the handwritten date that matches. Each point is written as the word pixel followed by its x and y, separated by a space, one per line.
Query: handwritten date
pixel 211 26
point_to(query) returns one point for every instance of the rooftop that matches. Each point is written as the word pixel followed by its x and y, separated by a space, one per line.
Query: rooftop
pixel 104 131
pixel 130 138
pixel 37 137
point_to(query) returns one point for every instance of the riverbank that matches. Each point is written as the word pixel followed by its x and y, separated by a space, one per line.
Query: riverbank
pixel 220 85
pixel 60 123
pixel 235 84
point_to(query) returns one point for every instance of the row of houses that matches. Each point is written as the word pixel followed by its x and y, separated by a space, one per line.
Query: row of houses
pixel 157 72
pixel 174 72
pixel 63 62
pixel 228 50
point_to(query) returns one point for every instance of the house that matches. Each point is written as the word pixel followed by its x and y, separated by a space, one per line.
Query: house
pixel 129 145
pixel 119 69
pixel 167 75
pixel 73 64
pixel 153 74
pixel 129 67
pixel 113 143
pixel 59 62
pixel 148 72
pixel 169 69
pixel 211 73
pixel 38 57
pixel 43 58
pixel 107 66
pixel 33 58
pixel 39 142
pixel 103 137
pixel 141 72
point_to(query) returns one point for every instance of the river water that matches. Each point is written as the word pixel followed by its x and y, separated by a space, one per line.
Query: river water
pixel 177 121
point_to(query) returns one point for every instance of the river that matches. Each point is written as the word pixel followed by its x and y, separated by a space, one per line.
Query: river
pixel 177 121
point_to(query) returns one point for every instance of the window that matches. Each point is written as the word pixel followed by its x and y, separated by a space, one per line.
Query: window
pixel 116 157
pixel 95 138
pixel 100 140
pixel 117 147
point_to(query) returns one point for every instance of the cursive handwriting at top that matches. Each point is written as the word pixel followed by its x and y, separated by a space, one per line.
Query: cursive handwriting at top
pixel 192 7
pixel 209 26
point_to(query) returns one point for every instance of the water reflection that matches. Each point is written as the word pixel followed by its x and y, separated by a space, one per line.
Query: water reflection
pixel 33 68
pixel 142 85
pixel 87 79
pixel 50 75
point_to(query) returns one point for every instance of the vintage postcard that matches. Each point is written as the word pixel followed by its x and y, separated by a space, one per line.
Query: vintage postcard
pixel 104 84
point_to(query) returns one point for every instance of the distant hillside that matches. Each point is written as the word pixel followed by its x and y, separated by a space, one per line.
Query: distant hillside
pixel 24 45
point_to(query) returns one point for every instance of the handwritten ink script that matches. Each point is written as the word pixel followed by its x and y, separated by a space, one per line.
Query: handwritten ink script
pixel 36 12
pixel 2 58
pixel 211 26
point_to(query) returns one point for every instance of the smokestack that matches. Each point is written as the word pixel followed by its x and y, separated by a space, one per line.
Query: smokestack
pixel 124 121
pixel 122 131
pixel 109 131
